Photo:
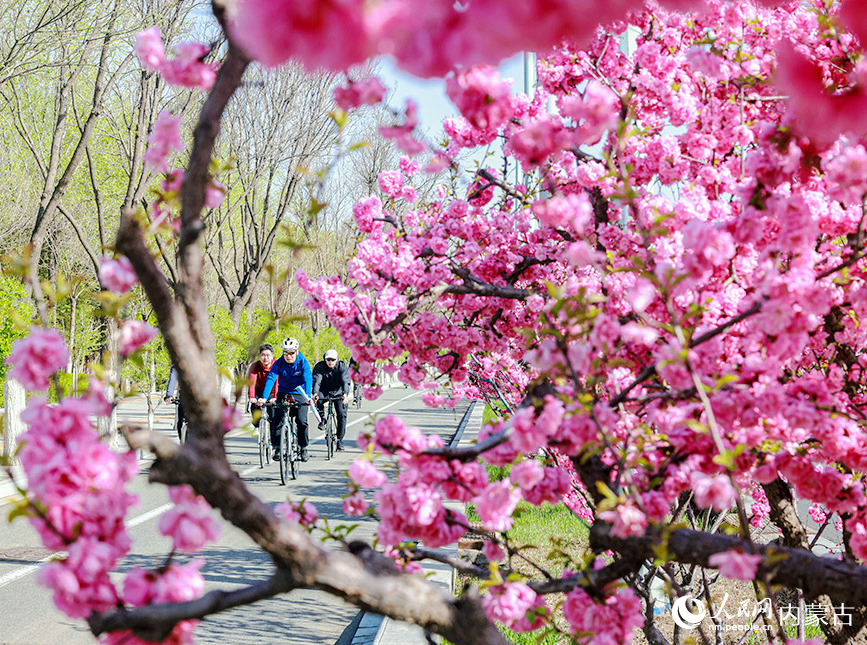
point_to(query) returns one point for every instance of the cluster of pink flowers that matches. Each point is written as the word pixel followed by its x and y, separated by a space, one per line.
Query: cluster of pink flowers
pixel 186 69
pixel 368 91
pixel 174 583
pixel 731 285
pixel 736 564
pixel 600 624
pixel 80 483
pixel 34 358
pixel 134 334
pixel 164 139
pixel 482 97
pixel 302 512
pixel 189 524
pixel 509 603
pixel 117 275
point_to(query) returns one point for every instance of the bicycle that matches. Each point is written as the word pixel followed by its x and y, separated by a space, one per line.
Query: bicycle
pixel 289 455
pixel 330 423
pixel 182 431
pixel 264 438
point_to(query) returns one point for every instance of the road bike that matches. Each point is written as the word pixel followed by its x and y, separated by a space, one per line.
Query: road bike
pixel 182 431
pixel 264 438
pixel 289 455
pixel 330 425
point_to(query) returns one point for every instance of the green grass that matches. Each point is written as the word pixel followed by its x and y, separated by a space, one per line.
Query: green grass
pixel 535 525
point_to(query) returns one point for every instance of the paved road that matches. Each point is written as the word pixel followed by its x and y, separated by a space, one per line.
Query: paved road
pixel 28 617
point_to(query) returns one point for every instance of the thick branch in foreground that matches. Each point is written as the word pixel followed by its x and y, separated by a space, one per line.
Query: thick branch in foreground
pixel 199 388
pixel 364 578
pixel 155 622
pixel 815 575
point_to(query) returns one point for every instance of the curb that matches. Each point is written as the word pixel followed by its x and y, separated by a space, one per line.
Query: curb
pixel 391 632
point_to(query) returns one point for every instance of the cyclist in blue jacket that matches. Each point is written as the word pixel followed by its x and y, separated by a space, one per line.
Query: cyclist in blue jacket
pixel 293 370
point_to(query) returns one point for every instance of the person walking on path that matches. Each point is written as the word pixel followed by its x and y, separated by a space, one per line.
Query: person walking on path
pixel 331 381
pixel 288 373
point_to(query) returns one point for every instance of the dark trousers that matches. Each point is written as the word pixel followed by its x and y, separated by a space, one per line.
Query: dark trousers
pixel 298 412
pixel 179 420
pixel 340 412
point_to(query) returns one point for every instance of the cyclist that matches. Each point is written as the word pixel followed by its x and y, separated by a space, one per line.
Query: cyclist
pixel 331 380
pixel 288 372
pixel 258 374
pixel 172 390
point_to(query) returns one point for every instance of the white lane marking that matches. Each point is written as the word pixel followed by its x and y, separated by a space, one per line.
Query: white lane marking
pixel 17 574
pixel 22 572
pixel 144 517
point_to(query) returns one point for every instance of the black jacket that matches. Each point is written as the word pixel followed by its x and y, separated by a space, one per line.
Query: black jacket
pixel 331 381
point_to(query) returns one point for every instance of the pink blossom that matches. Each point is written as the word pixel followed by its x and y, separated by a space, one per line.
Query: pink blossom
pixel 507 603
pixel 34 358
pixel 596 113
pixel 735 564
pixel 215 192
pixel 367 212
pixel 134 334
pixel 626 520
pixel 233 417
pixel 573 212
pixel 301 512
pixel 409 167
pixel 188 68
pixel 189 524
pixel 164 139
pixel 355 504
pixel 402 134
pixel 713 492
pixel 391 182
pixel 481 96
pixel 365 474
pixel 496 503
pixel 273 31
pixel 493 552
pixel 368 91
pixel 117 275
pixel 150 49
pixel 527 474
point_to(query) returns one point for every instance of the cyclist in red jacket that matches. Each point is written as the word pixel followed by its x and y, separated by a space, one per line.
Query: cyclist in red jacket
pixel 258 374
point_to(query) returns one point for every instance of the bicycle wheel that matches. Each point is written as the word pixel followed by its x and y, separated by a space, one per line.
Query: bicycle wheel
pixel 265 439
pixel 184 432
pixel 263 457
pixel 294 453
pixel 284 455
pixel 330 439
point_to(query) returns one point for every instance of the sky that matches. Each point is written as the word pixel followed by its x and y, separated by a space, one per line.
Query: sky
pixel 430 94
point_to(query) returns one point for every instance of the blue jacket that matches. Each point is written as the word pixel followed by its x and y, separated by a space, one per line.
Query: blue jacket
pixel 291 376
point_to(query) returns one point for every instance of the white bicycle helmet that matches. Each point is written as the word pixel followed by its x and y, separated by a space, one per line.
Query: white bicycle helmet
pixel 291 344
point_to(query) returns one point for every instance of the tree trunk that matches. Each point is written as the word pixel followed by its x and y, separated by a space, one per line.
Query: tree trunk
pixel 15 400
pixel 108 425
pixel 72 329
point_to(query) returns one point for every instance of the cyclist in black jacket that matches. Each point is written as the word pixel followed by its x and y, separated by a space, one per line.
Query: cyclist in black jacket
pixel 331 380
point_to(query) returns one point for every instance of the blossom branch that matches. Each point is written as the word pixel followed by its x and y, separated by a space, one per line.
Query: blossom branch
pixel 786 566
pixel 155 622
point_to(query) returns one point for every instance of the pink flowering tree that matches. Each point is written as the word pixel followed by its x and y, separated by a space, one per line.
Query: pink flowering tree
pixel 671 298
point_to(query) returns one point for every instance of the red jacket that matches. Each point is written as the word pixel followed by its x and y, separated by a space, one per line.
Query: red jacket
pixel 258 375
